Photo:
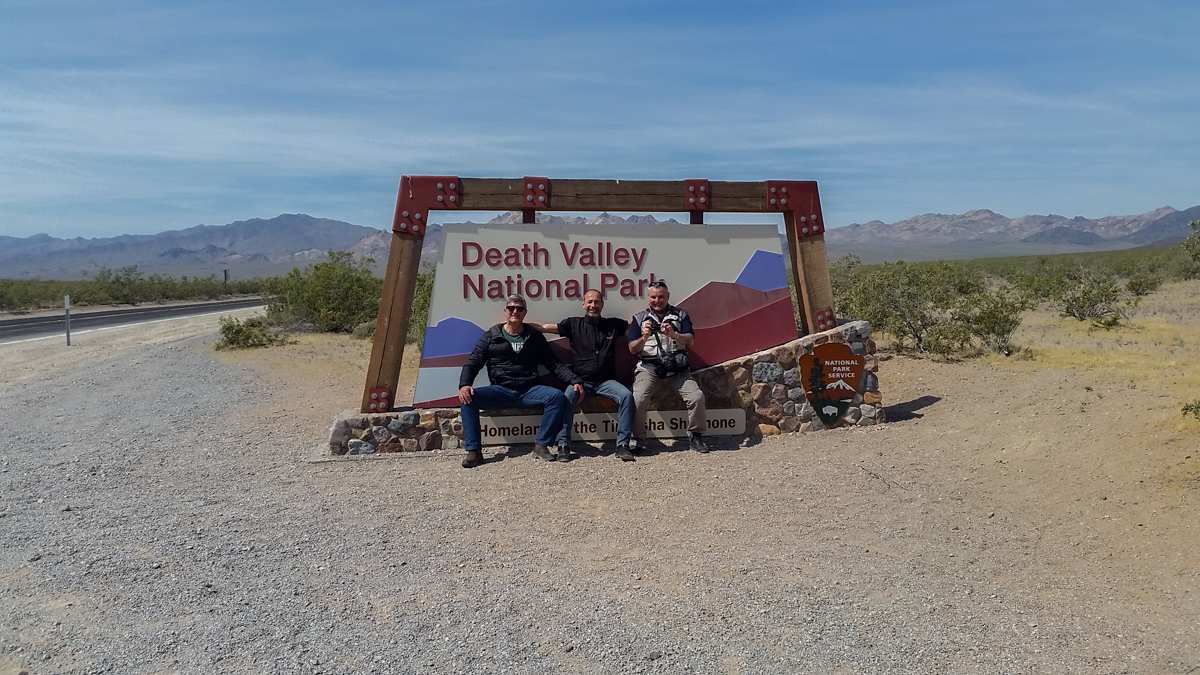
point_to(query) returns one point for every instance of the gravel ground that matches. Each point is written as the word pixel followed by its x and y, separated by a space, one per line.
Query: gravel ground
pixel 159 513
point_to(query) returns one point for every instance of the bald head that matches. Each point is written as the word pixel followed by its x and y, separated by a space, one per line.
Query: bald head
pixel 593 302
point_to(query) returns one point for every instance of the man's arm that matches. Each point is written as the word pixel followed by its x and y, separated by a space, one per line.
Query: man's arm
pixel 547 358
pixel 470 369
pixel 543 327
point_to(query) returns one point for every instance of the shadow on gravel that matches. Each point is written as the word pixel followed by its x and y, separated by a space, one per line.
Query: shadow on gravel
pixel 902 412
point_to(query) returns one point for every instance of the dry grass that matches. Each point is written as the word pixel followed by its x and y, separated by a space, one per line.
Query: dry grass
pixel 1157 348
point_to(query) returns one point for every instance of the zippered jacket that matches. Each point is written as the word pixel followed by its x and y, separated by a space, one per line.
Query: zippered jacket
pixel 515 370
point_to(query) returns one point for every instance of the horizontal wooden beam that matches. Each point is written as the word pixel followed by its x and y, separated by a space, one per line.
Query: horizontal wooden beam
pixel 570 194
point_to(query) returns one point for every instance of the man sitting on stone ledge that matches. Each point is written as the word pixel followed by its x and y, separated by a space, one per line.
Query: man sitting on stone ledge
pixel 660 336
pixel 594 358
pixel 512 351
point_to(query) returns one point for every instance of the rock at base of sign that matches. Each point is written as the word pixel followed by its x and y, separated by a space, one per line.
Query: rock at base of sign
pixel 381 434
pixel 430 441
pixel 768 430
pixel 358 447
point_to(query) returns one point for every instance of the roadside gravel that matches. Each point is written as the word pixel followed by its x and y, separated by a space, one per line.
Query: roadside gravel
pixel 160 514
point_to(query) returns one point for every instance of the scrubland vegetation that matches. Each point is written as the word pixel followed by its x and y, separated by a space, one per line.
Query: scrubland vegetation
pixel 124 286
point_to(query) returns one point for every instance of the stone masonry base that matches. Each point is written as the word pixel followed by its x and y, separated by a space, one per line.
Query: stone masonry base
pixel 766 385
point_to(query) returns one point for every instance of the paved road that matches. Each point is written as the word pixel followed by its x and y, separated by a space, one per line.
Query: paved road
pixel 36 326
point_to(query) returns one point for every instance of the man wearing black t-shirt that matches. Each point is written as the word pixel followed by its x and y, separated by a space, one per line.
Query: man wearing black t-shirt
pixel 594 359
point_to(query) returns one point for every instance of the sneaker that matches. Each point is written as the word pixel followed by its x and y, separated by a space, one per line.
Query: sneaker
pixel 638 447
pixel 564 453
pixel 473 459
pixel 697 444
pixel 543 453
pixel 624 454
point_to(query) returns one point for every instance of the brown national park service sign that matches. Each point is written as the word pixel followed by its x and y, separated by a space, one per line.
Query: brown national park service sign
pixel 830 376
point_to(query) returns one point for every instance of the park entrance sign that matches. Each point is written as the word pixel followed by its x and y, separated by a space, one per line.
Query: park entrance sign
pixel 731 279
pixel 551 266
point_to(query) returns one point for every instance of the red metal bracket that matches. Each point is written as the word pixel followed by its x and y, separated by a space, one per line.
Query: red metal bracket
pixel 419 194
pixel 381 399
pixel 697 196
pixel 537 192
pixel 796 196
pixel 824 319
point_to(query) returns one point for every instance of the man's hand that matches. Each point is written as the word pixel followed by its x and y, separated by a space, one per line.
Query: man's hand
pixel 465 394
pixel 579 390
pixel 668 329
pixel 646 330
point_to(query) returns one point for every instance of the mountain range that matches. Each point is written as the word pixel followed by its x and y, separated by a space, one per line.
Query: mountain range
pixel 264 247
pixel 984 233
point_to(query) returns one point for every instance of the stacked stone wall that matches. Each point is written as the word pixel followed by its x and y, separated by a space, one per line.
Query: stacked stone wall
pixel 766 385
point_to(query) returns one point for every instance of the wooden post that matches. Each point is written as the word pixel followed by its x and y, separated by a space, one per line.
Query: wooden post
pixel 395 307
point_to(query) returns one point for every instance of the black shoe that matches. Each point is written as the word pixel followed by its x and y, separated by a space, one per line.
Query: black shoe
pixel 564 453
pixel 624 454
pixel 697 444
pixel 543 453
pixel 473 459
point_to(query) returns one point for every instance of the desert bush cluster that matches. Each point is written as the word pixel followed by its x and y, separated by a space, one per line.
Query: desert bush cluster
pixel 957 307
pixel 123 286
pixel 340 296
pixel 253 332
pixel 938 308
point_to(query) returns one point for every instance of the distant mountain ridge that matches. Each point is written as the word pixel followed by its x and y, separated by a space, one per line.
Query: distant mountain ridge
pixel 264 247
pixel 984 233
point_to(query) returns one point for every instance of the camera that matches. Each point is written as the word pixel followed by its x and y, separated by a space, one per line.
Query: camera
pixel 656 326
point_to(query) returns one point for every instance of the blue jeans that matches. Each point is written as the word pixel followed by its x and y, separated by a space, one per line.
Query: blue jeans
pixel 608 389
pixel 494 397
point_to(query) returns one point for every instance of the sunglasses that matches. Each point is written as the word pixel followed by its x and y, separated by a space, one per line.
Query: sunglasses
pixel 515 308
pixel 657 284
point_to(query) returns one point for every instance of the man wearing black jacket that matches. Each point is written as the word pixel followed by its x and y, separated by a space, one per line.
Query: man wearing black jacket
pixel 512 351
pixel 594 359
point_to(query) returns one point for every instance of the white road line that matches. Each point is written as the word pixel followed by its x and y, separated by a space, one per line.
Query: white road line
pixel 63 336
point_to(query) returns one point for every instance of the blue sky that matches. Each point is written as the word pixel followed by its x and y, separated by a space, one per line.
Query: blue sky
pixel 138 117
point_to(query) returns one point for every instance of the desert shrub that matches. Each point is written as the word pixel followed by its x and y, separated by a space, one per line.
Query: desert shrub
pixel 1089 295
pixel 1143 283
pixel 842 275
pixel 253 332
pixel 364 331
pixel 333 296
pixel 916 303
pixel 420 308
pixel 1192 409
pixel 993 317
pixel 1192 244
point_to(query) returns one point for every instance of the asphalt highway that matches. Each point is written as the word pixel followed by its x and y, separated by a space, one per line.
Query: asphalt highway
pixel 38 326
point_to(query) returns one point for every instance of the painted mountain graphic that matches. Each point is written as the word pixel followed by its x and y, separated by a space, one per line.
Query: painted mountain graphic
pixel 451 336
pixel 731 320
pixel 839 384
pixel 764 271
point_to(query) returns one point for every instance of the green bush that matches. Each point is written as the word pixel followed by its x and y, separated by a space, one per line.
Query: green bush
pixel 1143 283
pixel 1192 409
pixel 1089 294
pixel 364 331
pixel 992 318
pixel 332 296
pixel 253 332
pixel 420 308
pixel 1192 243
pixel 916 303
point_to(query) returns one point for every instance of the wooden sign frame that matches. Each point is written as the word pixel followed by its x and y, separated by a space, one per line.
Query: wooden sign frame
pixel 797 201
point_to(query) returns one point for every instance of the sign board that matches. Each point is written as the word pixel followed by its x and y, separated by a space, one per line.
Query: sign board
pixel 730 278
pixel 830 376
pixel 603 426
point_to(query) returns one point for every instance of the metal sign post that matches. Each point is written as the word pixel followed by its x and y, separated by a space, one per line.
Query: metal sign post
pixel 67 310
pixel 226 282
